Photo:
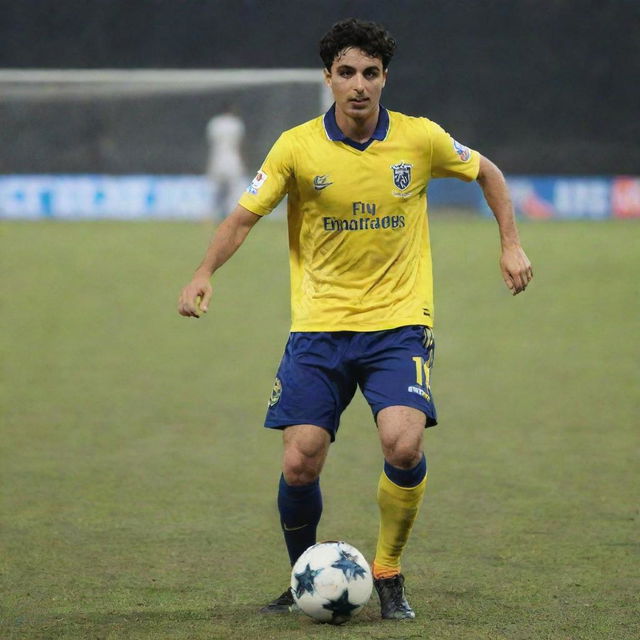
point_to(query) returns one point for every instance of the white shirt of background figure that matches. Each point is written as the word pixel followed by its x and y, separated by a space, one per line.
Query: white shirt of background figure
pixel 225 168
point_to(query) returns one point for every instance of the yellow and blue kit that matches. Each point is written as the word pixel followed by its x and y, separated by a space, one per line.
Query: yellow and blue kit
pixel 359 247
pixel 361 294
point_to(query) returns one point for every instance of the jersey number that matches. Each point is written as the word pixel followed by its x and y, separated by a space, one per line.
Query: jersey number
pixel 423 371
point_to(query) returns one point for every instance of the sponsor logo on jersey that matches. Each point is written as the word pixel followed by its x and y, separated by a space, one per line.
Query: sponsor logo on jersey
pixel 330 223
pixel 276 392
pixel 257 182
pixel 361 208
pixel 462 151
pixel 321 182
pixel 401 174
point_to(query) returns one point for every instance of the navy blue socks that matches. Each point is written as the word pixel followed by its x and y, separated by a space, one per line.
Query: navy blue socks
pixel 300 510
pixel 407 477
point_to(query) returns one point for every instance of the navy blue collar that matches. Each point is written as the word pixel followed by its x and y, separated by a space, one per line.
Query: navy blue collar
pixel 335 133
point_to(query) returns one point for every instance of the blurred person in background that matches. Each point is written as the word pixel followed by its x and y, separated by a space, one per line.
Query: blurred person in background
pixel 225 168
pixel 361 289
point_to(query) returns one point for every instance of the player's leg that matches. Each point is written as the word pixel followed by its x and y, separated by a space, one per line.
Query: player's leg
pixel 222 200
pixel 401 489
pixel 402 484
pixel 395 379
pixel 299 498
pixel 311 390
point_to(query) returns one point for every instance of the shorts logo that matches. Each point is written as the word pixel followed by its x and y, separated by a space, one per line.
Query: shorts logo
pixel 276 392
pixel 257 182
pixel 462 151
pixel 321 182
pixel 401 174
pixel 419 391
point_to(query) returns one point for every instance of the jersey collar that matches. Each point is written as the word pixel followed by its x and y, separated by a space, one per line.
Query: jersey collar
pixel 334 133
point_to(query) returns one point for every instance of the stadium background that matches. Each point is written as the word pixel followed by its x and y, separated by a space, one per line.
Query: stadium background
pixel 542 87
pixel 137 487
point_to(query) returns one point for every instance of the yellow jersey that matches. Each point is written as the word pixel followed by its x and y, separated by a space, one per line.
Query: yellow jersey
pixel 359 248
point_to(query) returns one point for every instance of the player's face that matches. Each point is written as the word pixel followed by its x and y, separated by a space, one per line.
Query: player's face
pixel 356 81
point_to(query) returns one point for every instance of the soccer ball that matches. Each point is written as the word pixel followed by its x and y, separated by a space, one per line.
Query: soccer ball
pixel 331 582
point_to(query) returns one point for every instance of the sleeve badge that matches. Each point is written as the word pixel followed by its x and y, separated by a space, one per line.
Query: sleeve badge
pixel 257 182
pixel 463 152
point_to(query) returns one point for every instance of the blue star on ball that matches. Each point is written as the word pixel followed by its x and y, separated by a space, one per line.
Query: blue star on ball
pixel 341 608
pixel 348 565
pixel 306 580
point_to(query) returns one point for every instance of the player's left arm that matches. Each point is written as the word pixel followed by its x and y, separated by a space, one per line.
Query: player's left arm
pixel 514 264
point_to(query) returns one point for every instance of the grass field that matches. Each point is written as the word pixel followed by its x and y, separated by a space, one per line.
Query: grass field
pixel 138 487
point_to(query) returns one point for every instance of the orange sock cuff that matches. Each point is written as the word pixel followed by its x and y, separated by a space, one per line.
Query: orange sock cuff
pixel 380 571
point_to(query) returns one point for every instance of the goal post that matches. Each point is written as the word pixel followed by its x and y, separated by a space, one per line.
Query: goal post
pixel 113 125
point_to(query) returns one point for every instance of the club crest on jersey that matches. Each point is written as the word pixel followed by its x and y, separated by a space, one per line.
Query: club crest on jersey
pixel 257 182
pixel 401 175
pixel 462 151
pixel 321 182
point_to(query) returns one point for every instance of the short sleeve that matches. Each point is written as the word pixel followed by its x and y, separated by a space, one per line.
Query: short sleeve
pixel 272 180
pixel 451 159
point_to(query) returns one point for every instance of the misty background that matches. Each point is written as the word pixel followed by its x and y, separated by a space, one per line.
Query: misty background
pixel 540 87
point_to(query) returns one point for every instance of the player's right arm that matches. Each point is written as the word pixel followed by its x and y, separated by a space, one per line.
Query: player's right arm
pixel 229 236
pixel 262 195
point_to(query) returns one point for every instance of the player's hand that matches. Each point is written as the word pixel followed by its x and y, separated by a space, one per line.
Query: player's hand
pixel 516 269
pixel 195 297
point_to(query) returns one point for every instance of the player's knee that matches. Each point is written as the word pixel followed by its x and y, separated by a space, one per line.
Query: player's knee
pixel 403 455
pixel 299 468
pixel 305 450
pixel 299 472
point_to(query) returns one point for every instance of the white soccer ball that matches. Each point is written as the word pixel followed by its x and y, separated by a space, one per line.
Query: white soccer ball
pixel 331 582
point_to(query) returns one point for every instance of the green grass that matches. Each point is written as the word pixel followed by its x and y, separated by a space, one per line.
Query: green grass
pixel 138 487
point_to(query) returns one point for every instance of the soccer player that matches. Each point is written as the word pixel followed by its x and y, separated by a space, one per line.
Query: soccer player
pixel 225 168
pixel 361 288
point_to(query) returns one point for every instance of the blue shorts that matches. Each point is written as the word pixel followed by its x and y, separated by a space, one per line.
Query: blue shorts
pixel 320 371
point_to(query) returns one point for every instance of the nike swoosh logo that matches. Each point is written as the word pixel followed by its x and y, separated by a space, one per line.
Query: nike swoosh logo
pixel 320 183
pixel 284 526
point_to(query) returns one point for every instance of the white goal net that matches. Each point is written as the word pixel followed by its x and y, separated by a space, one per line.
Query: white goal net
pixel 123 143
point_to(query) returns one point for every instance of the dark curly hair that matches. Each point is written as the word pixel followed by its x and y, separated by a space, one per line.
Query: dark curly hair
pixel 372 38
